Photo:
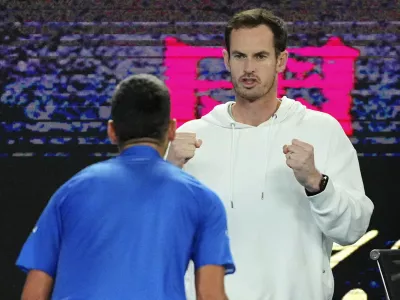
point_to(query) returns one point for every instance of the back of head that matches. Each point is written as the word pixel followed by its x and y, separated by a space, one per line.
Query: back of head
pixel 140 110
pixel 254 18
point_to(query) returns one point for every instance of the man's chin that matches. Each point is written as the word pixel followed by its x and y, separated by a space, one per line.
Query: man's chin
pixel 250 97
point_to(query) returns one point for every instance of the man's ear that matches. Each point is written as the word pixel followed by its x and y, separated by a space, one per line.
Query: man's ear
pixel 171 130
pixel 282 61
pixel 111 132
pixel 226 59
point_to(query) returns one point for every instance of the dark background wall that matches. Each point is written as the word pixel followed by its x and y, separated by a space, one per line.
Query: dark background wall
pixel 59 62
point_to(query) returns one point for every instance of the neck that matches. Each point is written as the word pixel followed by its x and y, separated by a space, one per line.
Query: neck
pixel 157 145
pixel 254 113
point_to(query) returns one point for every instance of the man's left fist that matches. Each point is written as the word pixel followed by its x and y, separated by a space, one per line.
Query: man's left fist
pixel 300 158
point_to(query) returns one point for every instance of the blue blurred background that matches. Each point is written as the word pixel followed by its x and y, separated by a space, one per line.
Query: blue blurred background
pixel 61 60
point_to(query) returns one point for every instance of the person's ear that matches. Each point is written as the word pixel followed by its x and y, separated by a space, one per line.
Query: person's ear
pixel 172 130
pixel 111 132
pixel 282 61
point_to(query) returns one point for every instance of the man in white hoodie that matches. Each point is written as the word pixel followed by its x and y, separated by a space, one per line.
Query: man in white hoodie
pixel 289 176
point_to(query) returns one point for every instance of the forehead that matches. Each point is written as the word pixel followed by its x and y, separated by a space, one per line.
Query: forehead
pixel 260 38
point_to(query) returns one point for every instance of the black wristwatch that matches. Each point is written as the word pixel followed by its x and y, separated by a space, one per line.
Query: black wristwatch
pixel 322 186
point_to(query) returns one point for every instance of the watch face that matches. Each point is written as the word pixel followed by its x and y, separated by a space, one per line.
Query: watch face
pixel 324 181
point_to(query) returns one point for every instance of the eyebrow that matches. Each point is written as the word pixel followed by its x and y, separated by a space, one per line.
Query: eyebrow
pixel 255 54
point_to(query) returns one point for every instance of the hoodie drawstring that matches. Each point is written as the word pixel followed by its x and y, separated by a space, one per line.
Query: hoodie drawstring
pixel 221 117
pixel 232 164
pixel 232 159
pixel 268 156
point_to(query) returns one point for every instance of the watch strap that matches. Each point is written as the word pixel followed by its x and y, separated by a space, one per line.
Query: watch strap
pixel 322 185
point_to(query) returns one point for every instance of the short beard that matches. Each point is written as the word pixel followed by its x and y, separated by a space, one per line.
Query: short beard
pixel 254 98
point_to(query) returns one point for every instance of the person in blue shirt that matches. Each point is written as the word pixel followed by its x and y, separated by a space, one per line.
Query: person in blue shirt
pixel 127 227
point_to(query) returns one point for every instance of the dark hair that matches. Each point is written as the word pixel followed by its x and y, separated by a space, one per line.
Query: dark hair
pixel 256 17
pixel 140 108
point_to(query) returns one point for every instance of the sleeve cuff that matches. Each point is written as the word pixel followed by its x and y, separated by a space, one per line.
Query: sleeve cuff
pixel 230 268
pixel 27 269
pixel 321 200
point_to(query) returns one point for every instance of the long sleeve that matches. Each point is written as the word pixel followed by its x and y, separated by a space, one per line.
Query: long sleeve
pixel 342 211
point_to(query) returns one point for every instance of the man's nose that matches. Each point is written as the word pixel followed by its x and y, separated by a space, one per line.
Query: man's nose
pixel 249 66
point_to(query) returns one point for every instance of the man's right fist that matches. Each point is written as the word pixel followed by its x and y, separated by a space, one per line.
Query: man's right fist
pixel 182 148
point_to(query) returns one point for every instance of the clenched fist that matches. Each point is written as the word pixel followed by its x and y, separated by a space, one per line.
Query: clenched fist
pixel 300 158
pixel 182 149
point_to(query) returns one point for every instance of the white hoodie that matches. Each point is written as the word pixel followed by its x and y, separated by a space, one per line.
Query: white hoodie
pixel 281 239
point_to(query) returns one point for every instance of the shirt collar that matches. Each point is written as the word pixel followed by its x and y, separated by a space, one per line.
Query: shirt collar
pixel 140 151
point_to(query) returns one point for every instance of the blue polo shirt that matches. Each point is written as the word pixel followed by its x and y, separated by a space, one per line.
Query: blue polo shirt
pixel 126 228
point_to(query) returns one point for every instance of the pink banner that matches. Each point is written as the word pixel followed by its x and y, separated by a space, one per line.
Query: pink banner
pixel 335 79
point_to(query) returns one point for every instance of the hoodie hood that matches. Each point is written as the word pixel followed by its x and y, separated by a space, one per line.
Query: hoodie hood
pixel 288 110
